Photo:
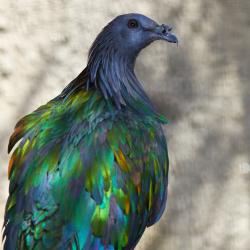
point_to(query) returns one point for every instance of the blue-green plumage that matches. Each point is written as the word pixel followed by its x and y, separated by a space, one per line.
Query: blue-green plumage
pixel 91 168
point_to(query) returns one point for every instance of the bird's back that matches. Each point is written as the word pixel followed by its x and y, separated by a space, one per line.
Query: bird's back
pixel 84 176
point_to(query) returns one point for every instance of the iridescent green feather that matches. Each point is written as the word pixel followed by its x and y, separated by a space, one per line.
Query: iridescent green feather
pixel 85 175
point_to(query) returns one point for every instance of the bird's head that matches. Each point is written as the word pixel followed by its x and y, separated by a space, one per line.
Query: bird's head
pixel 135 32
pixel 128 34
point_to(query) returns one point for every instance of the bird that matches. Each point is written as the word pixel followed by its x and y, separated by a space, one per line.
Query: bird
pixel 89 169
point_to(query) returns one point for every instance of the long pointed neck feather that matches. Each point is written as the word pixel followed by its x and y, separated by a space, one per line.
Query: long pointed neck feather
pixel 112 73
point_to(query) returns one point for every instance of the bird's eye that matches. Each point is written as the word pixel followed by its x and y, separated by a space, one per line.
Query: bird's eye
pixel 133 24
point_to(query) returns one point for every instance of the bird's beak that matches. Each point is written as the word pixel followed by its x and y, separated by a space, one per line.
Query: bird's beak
pixel 163 32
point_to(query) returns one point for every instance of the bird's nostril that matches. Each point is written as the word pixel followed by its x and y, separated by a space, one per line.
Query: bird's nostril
pixel 165 28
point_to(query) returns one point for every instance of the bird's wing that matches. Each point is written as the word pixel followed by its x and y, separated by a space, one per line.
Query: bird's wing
pixel 83 179
pixel 48 138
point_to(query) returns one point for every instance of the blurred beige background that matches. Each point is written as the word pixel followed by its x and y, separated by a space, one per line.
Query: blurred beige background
pixel 203 87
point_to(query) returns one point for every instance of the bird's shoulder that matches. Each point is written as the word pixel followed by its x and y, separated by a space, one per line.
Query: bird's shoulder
pixel 55 120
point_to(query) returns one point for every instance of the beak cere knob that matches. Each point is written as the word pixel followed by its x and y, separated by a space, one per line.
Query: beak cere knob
pixel 165 28
pixel 166 35
pixel 169 29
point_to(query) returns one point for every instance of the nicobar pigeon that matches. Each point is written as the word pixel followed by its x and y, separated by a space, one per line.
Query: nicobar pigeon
pixel 90 170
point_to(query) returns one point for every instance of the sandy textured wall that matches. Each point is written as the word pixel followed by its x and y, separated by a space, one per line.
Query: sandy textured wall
pixel 202 87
